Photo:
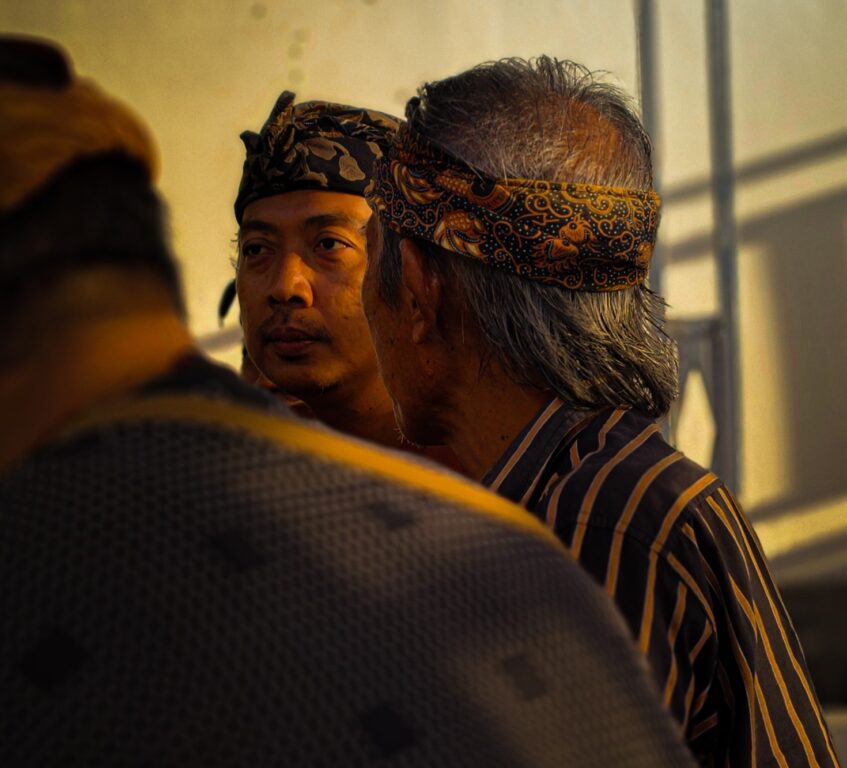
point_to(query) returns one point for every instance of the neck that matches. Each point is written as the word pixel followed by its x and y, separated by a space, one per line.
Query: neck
pixel 80 365
pixel 487 414
pixel 362 410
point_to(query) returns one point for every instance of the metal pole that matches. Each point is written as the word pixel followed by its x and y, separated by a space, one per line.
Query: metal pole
pixel 645 26
pixel 728 448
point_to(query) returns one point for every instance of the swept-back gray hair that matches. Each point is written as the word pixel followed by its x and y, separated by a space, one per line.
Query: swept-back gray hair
pixel 552 120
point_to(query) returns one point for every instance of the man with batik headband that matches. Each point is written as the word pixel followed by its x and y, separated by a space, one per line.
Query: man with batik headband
pixel 508 307
pixel 301 257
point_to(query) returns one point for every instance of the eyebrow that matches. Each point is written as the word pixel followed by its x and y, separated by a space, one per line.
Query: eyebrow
pixel 313 222
pixel 338 220
pixel 255 225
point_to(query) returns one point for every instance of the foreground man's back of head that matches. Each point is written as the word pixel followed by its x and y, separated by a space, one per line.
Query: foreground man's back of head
pixel 186 579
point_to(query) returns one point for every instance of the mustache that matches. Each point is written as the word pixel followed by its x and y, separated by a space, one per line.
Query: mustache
pixel 285 321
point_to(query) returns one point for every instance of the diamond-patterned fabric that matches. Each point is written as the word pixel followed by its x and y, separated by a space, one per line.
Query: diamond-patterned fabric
pixel 187 594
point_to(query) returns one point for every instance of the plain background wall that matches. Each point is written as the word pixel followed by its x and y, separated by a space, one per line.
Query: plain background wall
pixel 200 73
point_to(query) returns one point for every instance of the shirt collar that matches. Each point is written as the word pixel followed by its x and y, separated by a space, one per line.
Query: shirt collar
pixel 517 472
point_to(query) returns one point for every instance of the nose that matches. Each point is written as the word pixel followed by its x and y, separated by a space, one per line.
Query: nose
pixel 292 282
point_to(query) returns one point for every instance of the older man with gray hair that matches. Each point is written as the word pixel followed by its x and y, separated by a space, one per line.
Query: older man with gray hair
pixel 508 307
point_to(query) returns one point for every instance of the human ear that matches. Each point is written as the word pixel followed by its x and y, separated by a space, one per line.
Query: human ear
pixel 423 290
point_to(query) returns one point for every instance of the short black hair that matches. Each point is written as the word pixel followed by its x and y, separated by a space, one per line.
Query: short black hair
pixel 97 211
pixel 32 62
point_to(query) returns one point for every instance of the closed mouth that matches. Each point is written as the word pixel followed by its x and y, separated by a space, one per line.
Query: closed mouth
pixel 292 343
pixel 287 335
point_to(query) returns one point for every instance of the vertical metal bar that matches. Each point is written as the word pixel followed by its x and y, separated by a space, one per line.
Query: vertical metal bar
pixel 728 447
pixel 645 27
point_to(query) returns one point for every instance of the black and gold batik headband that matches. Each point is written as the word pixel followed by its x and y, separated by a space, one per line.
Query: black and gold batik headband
pixel 312 145
pixel 581 236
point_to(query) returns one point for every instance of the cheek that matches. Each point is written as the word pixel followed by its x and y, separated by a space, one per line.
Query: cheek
pixel 397 364
pixel 374 310
pixel 340 297
pixel 247 306
pixel 339 306
pixel 381 333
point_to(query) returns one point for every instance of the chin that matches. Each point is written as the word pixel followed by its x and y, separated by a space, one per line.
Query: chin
pixel 417 427
pixel 298 377
pixel 307 388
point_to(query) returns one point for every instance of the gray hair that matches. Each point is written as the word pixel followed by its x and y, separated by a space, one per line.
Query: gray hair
pixel 552 120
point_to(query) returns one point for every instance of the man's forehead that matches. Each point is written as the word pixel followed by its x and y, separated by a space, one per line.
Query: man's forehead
pixel 307 208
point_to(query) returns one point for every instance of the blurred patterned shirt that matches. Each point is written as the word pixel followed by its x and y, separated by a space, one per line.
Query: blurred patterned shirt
pixel 185 581
pixel 670 544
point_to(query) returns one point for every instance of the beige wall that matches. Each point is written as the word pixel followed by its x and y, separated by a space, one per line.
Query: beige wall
pixel 203 72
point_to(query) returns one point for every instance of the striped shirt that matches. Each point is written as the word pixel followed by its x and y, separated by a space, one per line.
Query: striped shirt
pixel 674 550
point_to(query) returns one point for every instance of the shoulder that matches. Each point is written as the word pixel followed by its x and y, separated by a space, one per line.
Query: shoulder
pixel 626 477
pixel 196 374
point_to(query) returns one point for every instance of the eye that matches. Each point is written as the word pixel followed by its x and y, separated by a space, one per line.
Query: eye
pixel 251 250
pixel 326 244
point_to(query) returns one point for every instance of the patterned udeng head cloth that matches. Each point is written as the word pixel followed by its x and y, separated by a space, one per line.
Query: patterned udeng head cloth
pixel 313 145
pixel 580 236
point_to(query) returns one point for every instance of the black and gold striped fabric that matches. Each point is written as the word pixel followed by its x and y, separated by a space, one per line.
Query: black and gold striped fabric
pixel 187 580
pixel 667 540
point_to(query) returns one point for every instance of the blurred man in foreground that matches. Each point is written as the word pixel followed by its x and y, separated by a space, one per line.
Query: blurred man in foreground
pixel 186 579
pixel 508 309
